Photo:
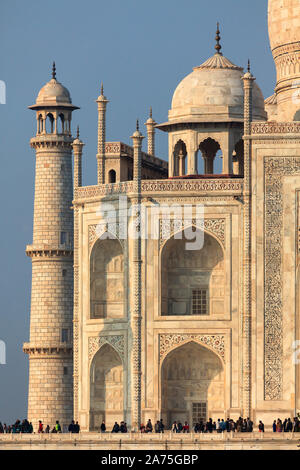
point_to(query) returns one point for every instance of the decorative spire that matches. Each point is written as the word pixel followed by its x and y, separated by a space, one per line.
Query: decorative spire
pixel 102 90
pixel 77 136
pixel 218 46
pixel 53 70
pixel 150 114
pixel 137 125
pixel 249 67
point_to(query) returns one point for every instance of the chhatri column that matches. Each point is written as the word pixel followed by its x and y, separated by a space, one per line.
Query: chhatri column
pixel 77 150
pixel 150 124
pixel 192 163
pixel 246 318
pixel 181 160
pixel 102 102
pixel 136 291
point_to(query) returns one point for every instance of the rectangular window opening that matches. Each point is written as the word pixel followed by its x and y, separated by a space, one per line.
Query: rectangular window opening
pixel 64 335
pixel 200 302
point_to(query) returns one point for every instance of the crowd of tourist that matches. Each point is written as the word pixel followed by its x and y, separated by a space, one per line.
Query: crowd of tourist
pixel 219 426
pixel 17 427
pixel 26 427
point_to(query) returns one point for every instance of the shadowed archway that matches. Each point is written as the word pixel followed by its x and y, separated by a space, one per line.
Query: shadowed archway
pixel 192 385
pixel 106 388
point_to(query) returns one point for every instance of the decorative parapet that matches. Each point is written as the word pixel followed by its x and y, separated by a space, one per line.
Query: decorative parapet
pixel 51 141
pixel 45 251
pixel 167 342
pixel 272 127
pixel 36 349
pixel 87 192
pixel 228 186
pixel 119 148
pixel 116 341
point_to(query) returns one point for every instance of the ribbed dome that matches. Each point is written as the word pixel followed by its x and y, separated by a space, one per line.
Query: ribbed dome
pixel 215 88
pixel 53 93
pixel 218 61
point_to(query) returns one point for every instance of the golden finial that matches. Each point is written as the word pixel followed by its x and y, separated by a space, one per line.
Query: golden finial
pixel 218 46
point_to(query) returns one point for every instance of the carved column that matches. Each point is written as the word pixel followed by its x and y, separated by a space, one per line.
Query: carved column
pixel 246 320
pixel 102 102
pixel 181 159
pixel 136 283
pixel 192 163
pixel 150 124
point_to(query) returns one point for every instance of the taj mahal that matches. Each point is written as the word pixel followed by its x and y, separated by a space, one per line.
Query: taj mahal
pixel 132 328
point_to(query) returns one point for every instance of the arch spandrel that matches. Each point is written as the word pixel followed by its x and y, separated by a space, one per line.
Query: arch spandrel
pixel 170 342
pixel 214 227
pixel 95 344
pixel 96 232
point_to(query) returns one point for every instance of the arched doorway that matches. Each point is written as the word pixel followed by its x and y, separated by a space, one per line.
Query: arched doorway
pixel 112 176
pixel 192 385
pixel 107 279
pixel 192 281
pixel 106 388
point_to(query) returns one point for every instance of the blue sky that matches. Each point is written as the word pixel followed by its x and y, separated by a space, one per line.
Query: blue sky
pixel 141 50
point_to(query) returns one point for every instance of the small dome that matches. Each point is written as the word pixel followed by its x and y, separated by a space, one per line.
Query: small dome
pixel 53 93
pixel 214 91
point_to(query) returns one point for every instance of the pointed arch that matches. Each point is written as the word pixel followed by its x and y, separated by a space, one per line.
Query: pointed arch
pixel 180 158
pixel 61 126
pixel 192 282
pixel 112 176
pixel 192 380
pixel 202 340
pixel 107 292
pixel 49 123
pixel 106 387
pixel 209 149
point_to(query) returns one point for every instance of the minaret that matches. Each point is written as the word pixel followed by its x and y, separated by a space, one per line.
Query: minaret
pixel 50 395
pixel 284 34
pixel 136 290
pixel 77 149
pixel 102 102
pixel 150 124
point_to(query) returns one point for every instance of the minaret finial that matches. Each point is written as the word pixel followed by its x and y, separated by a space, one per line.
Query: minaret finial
pixel 137 125
pixel 218 46
pixel 150 111
pixel 53 70
pixel 102 89
pixel 249 67
pixel 77 136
